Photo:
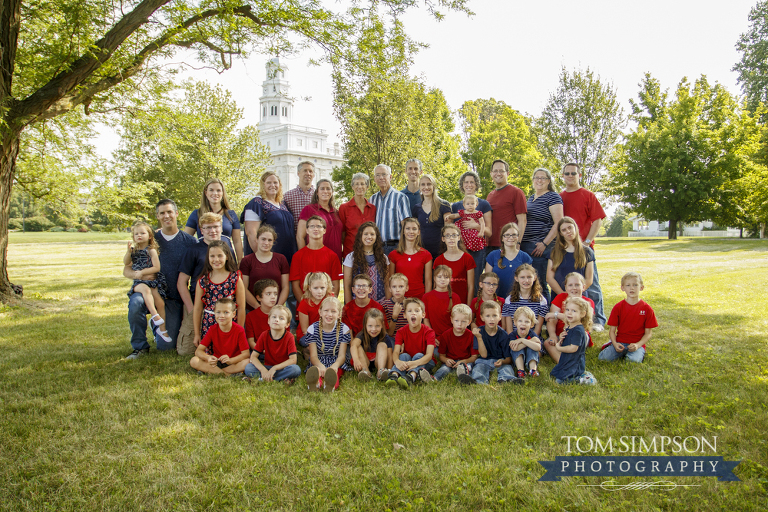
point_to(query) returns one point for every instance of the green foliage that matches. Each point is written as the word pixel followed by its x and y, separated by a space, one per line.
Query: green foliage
pixel 389 117
pixel 581 122
pixel 680 162
pixel 493 130
pixel 753 65
pixel 177 145
pixel 619 224
pixel 56 229
pixel 38 224
pixel 15 224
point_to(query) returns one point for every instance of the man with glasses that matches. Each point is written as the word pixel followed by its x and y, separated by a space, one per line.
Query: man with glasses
pixel 173 245
pixel 508 203
pixel 582 206
pixel 315 257
pixel 392 208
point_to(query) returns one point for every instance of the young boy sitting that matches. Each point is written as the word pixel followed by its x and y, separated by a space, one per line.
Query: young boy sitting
pixel 393 307
pixel 226 339
pixel 493 346
pixel 456 344
pixel 257 321
pixel 524 343
pixel 354 310
pixel 414 346
pixel 631 322
pixel 279 350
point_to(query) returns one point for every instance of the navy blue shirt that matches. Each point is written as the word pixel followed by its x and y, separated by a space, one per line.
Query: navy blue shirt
pixel 277 216
pixel 482 206
pixel 431 232
pixel 574 364
pixel 193 263
pixel 228 223
pixel 171 255
pixel 568 265
pixel 413 198
pixel 497 345
pixel 539 218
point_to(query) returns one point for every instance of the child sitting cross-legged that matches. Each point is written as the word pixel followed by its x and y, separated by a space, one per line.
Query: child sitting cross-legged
pixel 414 347
pixel 354 310
pixel 630 323
pixel 493 347
pixel 226 341
pixel 279 350
pixel 524 343
pixel 572 344
pixel 372 349
pixel 457 352
pixel 257 321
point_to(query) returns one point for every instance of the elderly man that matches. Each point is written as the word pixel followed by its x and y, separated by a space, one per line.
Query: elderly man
pixel 508 203
pixel 392 207
pixel 300 196
pixel 173 245
pixel 413 171
pixel 582 206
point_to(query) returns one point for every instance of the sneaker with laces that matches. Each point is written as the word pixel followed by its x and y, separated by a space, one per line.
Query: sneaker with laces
pixel 466 378
pixel 137 354
pixel 533 373
pixel 404 382
pixel 461 369
pixel 425 376
pixel 520 374
pixel 598 328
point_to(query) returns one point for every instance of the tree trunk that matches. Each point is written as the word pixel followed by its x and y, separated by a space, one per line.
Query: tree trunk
pixel 672 230
pixel 762 230
pixel 9 149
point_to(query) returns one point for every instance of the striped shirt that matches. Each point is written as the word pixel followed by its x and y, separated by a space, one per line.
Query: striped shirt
pixel 540 310
pixel 391 210
pixel 540 220
pixel 327 348
pixel 296 199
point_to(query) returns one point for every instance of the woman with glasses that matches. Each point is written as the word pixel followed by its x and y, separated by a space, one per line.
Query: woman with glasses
pixel 503 262
pixel 545 209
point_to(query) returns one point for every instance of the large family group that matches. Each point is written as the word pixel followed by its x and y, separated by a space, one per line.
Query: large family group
pixel 472 286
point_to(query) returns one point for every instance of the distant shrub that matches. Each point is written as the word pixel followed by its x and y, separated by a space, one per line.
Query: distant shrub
pixel 82 230
pixel 56 229
pixel 14 224
pixel 71 230
pixel 97 227
pixel 38 224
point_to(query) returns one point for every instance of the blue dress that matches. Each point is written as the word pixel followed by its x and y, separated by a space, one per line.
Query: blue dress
pixel 140 259
pixel 280 218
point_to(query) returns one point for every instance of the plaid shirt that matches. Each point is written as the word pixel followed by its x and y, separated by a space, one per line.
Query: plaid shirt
pixel 391 210
pixel 296 199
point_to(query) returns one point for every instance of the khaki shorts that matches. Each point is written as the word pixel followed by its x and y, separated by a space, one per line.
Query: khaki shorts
pixel 185 342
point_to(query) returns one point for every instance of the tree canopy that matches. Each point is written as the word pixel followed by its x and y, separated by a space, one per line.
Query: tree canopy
pixel 753 65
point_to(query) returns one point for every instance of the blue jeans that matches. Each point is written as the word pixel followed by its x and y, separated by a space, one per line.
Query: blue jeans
pixel 540 264
pixel 609 354
pixel 479 257
pixel 528 355
pixel 137 320
pixel 291 371
pixel 481 371
pixel 444 371
pixel 408 357
pixel 596 294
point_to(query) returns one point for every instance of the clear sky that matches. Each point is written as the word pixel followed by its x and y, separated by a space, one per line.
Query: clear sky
pixel 513 51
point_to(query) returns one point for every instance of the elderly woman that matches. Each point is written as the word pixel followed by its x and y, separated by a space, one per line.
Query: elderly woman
pixel 469 184
pixel 215 200
pixel 357 211
pixel 431 214
pixel 322 206
pixel 545 209
pixel 268 208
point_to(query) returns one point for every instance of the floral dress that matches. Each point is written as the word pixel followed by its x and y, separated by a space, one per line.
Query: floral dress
pixel 212 292
pixel 140 259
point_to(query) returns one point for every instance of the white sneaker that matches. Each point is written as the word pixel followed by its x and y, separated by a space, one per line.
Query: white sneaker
pixel 598 328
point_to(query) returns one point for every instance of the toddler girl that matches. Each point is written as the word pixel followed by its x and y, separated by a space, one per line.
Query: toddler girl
pixel 572 344
pixel 328 340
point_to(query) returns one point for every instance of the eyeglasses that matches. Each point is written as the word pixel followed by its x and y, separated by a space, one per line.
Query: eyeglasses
pixel 451 237
pixel 497 171
pixel 508 236
pixel 540 178
pixel 360 286
pixel 574 173
pixel 489 284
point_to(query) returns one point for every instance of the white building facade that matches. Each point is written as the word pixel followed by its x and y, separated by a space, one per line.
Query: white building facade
pixel 290 143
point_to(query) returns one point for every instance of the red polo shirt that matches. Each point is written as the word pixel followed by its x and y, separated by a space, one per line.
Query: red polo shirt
pixel 352 218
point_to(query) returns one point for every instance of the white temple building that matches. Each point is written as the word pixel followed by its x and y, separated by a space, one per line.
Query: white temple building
pixel 288 142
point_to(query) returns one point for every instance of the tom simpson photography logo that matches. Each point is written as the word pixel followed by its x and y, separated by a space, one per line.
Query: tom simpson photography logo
pixel 691 456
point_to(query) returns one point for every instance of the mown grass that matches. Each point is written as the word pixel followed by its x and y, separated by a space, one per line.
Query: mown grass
pixel 86 430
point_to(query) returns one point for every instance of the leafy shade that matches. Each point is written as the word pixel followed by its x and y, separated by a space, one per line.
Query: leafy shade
pixel 753 66
pixel 681 160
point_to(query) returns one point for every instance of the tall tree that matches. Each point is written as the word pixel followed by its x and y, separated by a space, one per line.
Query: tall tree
pixel 753 66
pixel 59 55
pixel 681 160
pixel 388 117
pixel 581 122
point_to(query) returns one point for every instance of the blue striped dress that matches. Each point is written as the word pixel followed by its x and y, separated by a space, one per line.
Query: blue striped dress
pixel 327 346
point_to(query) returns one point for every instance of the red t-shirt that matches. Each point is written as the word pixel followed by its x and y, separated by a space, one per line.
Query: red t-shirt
pixel 507 203
pixel 352 218
pixel 308 260
pixel 275 351
pixel 459 268
pixel 333 227
pixel 256 322
pixel 477 302
pixel 457 347
pixel 438 309
pixel 255 270
pixel 632 321
pixel 412 266
pixel 311 310
pixel 415 342
pixel 352 314
pixel 583 207
pixel 231 343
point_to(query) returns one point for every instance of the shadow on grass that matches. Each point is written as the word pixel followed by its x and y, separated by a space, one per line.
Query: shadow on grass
pixel 710 245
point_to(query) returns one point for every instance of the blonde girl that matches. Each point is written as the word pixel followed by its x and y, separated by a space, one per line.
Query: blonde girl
pixel 574 287
pixel 144 261
pixel 572 343
pixel 317 286
pixel 569 255
pixel 372 348
pixel 412 260
pixel 328 340
pixel 430 214
pixel 460 262
pixel 504 262
pixel 220 279
pixel 526 291
pixel 439 302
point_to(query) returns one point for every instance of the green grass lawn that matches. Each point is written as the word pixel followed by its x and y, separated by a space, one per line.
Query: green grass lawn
pixel 84 429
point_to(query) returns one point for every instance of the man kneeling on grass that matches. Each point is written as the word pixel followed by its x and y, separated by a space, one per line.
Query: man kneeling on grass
pixel 227 342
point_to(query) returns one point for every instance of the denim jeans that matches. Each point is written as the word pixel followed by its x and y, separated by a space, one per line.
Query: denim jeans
pixel 137 320
pixel 540 264
pixel 444 371
pixel 291 371
pixel 408 357
pixel 596 294
pixel 528 355
pixel 481 371
pixel 479 257
pixel 609 354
